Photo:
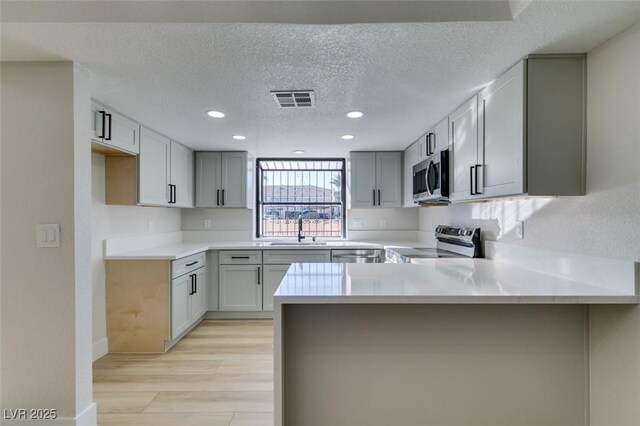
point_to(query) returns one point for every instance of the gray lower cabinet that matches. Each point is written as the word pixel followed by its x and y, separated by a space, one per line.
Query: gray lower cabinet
pixel 240 287
pixel 273 275
pixel 249 278
pixel 189 287
pixel 240 283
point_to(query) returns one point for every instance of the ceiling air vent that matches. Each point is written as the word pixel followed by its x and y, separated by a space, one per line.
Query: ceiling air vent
pixel 295 99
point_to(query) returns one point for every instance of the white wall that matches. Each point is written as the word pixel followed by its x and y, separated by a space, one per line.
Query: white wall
pixel 238 224
pixel 113 222
pixel 46 332
pixel 605 222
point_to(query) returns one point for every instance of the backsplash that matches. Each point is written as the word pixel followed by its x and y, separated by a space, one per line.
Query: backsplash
pixel 239 224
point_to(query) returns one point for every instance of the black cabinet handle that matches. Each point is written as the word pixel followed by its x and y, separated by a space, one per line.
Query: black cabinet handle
pixel 476 175
pixel 218 197
pixel 471 173
pixel 172 194
pixel 175 193
pixel 240 257
pixel 195 262
pixel 223 197
pixel 195 283
pixel 374 197
pixel 103 120
pixel 258 275
pixel 108 138
pixel 192 281
pixel 432 138
pixel 428 144
pixel 379 197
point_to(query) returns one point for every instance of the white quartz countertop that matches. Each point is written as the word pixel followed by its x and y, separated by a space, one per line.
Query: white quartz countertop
pixel 436 281
pixel 177 251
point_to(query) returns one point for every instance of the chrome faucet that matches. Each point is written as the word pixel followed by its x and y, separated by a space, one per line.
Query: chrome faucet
pixel 300 237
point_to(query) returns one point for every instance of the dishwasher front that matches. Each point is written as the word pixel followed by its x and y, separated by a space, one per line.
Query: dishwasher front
pixel 357 256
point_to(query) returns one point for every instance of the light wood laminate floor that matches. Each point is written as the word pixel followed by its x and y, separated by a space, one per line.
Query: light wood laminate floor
pixel 221 374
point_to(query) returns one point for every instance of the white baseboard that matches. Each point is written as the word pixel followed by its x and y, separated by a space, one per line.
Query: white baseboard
pixel 88 417
pixel 238 315
pixel 100 348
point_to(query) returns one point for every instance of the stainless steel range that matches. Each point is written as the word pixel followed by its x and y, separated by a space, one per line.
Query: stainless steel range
pixel 451 242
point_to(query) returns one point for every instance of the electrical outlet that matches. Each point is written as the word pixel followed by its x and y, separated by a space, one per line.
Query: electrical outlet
pixel 383 223
pixel 150 226
pixel 207 223
pixel 48 235
pixel 520 230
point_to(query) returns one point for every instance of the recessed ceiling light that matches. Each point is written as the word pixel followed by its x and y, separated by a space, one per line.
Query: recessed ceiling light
pixel 347 137
pixel 298 151
pixel 239 137
pixel 215 114
pixel 354 114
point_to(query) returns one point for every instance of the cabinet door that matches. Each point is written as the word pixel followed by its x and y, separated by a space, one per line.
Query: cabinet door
pixel 410 160
pixel 363 180
pixel 389 178
pixel 240 288
pixel 122 132
pixel 234 179
pixel 153 168
pixel 273 275
pixel 113 129
pixel 208 179
pixel 464 140
pixel 180 299
pixel 440 135
pixel 501 129
pixel 423 148
pixel 182 174
pixel 199 297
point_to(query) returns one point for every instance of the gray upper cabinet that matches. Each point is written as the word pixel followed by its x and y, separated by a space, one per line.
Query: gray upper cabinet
pixel 464 140
pixel 389 178
pixel 423 148
pixel 376 179
pixel 411 158
pixel 363 180
pixel 114 130
pixel 440 136
pixel 222 179
pixel 530 137
pixel 501 130
pixel 181 175
pixel 154 169
pixel 165 170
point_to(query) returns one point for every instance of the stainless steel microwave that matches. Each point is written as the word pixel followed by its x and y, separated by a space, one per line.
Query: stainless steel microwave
pixel 431 178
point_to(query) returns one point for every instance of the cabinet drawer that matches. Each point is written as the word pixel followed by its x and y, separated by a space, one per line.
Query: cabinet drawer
pixel 241 257
pixel 285 257
pixel 188 264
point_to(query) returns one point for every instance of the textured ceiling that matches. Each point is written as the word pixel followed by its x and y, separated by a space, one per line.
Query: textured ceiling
pixel 404 76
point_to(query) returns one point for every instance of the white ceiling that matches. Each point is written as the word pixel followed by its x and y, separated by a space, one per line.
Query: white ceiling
pixel 404 76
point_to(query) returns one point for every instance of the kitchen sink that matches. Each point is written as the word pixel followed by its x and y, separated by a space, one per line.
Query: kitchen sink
pixel 297 244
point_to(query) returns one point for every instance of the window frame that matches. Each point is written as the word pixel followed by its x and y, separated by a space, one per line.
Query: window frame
pixel 343 191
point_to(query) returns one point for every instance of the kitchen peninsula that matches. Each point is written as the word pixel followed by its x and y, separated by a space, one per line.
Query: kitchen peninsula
pixel 463 341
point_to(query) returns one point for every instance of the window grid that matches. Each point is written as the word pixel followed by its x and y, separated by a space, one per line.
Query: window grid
pixel 311 189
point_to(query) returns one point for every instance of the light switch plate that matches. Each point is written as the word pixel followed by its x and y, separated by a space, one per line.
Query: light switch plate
pixel 207 223
pixel 48 235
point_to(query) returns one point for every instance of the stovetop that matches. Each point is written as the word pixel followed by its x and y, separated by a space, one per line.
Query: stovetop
pixel 405 255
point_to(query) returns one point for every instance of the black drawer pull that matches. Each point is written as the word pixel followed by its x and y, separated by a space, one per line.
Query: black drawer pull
pixel 192 263
pixel 240 257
